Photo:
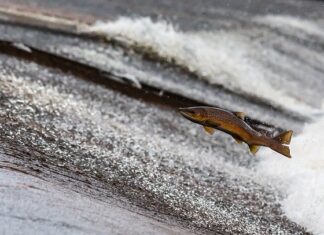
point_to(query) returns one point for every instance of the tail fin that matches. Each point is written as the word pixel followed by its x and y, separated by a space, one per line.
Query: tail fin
pixel 282 149
pixel 284 137
pixel 281 139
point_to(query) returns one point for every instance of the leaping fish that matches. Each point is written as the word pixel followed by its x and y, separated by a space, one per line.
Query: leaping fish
pixel 233 124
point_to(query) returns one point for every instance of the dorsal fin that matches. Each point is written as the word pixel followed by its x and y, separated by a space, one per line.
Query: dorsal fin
pixel 284 137
pixel 254 148
pixel 209 130
pixel 240 115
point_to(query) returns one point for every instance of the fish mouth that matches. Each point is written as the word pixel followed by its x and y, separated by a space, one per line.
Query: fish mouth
pixel 187 113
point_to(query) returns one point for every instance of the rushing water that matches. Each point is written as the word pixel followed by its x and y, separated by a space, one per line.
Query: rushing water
pixel 232 58
pixel 301 179
pixel 270 66
pixel 279 70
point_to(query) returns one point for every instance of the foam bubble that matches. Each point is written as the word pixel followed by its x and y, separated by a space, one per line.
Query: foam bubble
pixel 300 179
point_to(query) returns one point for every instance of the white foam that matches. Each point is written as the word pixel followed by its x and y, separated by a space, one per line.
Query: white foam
pixel 300 179
pixel 287 22
pixel 225 58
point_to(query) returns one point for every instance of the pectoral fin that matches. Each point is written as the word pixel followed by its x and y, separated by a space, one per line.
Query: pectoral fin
pixel 209 130
pixel 254 148
pixel 240 115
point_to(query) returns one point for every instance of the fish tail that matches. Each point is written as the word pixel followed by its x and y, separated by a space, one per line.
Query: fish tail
pixel 284 137
pixel 282 149
pixel 280 143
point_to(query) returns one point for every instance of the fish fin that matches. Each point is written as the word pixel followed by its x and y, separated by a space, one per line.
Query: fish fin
pixel 254 148
pixel 284 137
pixel 209 130
pixel 282 149
pixel 240 115
pixel 238 140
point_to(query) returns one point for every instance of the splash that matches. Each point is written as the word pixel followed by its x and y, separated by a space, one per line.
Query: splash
pixel 300 179
pixel 225 58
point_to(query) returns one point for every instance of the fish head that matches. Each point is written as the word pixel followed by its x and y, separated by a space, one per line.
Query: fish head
pixel 195 114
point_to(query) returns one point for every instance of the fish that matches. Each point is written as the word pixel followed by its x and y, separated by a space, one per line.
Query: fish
pixel 232 123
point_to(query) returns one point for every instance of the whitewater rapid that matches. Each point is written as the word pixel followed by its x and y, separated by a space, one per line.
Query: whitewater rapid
pixel 231 59
pixel 300 179
pixel 226 58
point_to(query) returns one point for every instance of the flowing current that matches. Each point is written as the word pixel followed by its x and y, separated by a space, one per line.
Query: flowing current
pixel 269 66
pixel 232 59
pixel 269 61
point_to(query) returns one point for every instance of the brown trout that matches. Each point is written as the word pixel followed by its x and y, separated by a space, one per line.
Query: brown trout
pixel 233 124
